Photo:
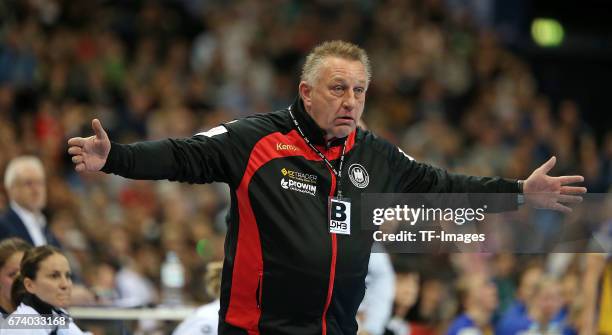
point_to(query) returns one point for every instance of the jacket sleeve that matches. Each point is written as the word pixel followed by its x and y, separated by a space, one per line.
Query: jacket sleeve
pixel 203 158
pixel 418 177
pixel 410 176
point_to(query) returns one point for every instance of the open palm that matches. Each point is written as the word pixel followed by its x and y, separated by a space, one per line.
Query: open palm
pixel 544 191
pixel 90 153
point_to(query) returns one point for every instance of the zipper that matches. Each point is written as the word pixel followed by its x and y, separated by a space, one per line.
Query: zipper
pixel 332 270
pixel 259 289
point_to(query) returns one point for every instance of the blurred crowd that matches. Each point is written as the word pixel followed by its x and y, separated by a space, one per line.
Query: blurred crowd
pixel 444 89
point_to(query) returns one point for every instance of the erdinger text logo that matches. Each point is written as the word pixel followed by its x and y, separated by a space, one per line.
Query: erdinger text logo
pixel 358 176
pixel 286 147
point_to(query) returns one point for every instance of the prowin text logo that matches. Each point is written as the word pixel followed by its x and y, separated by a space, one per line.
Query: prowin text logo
pixel 298 186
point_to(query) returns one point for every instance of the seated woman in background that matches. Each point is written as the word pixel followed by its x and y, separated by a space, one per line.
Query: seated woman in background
pixel 206 318
pixel 42 288
pixel 11 253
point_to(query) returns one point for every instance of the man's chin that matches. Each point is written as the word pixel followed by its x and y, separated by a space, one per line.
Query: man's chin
pixel 342 131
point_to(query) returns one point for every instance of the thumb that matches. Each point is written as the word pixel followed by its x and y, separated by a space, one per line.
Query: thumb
pixel 97 128
pixel 548 165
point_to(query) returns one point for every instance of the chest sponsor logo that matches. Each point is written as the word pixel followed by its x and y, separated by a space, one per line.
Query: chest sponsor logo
pixel 286 147
pixel 299 181
pixel 299 176
pixel 298 186
pixel 358 176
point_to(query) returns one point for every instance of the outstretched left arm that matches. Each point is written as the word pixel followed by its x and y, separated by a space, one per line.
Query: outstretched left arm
pixel 544 191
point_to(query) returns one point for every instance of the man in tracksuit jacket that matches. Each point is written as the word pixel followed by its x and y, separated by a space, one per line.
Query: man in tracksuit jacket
pixel 284 271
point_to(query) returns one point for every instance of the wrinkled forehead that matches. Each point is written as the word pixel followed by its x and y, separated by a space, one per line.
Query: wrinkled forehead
pixel 342 69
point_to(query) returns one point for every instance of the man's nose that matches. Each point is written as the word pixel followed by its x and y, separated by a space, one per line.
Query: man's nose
pixel 350 100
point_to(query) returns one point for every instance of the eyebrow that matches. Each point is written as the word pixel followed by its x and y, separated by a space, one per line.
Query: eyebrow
pixel 344 81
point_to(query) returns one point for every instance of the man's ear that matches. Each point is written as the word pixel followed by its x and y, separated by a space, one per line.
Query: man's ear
pixel 305 93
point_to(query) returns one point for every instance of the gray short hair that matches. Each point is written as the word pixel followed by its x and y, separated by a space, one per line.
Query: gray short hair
pixel 340 49
pixel 16 164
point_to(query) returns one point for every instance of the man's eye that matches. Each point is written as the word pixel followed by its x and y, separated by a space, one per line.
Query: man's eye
pixel 359 90
pixel 338 89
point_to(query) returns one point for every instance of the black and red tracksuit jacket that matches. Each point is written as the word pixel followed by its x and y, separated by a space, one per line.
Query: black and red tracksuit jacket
pixel 284 273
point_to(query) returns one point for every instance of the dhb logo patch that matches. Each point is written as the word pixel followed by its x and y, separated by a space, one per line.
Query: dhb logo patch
pixel 358 176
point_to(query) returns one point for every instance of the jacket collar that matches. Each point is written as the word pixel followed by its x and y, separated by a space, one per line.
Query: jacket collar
pixel 4 313
pixel 311 129
pixel 40 306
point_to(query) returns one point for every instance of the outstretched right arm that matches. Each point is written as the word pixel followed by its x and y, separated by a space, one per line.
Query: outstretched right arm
pixel 90 153
pixel 199 159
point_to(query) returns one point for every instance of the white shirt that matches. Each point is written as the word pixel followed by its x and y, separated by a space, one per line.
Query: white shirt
pixel 204 321
pixel 378 299
pixel 28 312
pixel 134 289
pixel 34 223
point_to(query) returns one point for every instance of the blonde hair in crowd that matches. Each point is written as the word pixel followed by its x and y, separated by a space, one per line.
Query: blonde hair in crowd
pixel 213 278
pixel 340 49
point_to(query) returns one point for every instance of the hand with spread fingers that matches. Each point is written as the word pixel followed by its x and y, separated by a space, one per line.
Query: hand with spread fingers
pixel 544 191
pixel 90 153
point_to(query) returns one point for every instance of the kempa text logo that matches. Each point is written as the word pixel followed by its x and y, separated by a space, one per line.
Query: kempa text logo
pixel 286 147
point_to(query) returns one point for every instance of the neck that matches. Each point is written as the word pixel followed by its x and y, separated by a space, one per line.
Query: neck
pixel 401 311
pixel 35 302
pixel 479 316
pixel 23 208
pixel 6 305
pixel 541 318
pixel 310 128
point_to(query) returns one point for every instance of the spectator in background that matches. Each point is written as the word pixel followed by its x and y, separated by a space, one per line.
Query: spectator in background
pixel 206 318
pixel 43 287
pixel 478 296
pixel 406 295
pixel 375 309
pixel 25 184
pixel 430 311
pixel 131 283
pixel 11 253
pixel 515 317
pixel 597 287
pixel 544 308
pixel 504 268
